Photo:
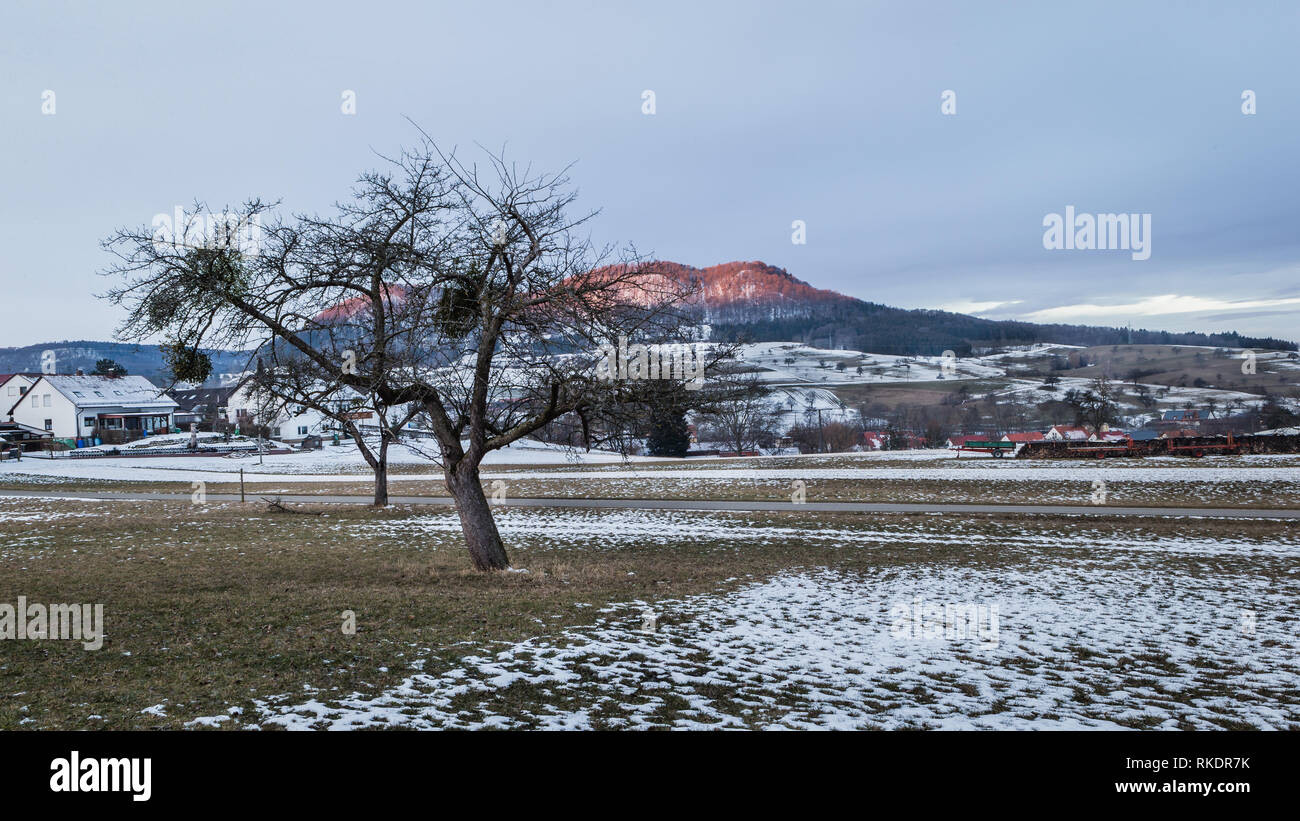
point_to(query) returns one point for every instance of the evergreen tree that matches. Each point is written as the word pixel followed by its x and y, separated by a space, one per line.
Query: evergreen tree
pixel 669 434
pixel 107 367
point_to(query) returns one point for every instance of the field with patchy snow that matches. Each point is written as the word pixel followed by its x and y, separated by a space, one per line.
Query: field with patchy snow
pixel 930 476
pixel 228 616
pixel 1089 631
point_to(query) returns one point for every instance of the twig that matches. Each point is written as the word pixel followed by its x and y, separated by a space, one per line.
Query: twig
pixel 277 505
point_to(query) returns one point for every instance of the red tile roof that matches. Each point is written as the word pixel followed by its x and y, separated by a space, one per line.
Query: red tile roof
pixel 1032 436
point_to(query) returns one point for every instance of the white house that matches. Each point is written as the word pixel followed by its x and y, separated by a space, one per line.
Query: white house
pixel 293 423
pixel 14 385
pixel 1068 433
pixel 1108 435
pixel 78 406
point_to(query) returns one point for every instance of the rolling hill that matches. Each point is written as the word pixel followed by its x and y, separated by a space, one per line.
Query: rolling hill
pixel 753 301
pixel 144 360
pixel 763 303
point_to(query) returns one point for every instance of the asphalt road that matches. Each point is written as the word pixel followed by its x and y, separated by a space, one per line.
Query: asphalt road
pixel 685 504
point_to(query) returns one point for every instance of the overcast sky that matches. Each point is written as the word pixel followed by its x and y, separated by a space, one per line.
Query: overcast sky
pixel 825 113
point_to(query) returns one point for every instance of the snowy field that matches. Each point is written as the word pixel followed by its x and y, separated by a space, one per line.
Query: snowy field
pixel 1092 631
pixel 343 464
pixel 805 378
pixel 333 463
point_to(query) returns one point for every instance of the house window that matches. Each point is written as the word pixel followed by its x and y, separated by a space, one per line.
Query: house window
pixel 49 424
pixel 100 395
pixel 302 430
pixel 79 394
pixel 90 421
pixel 36 401
pixel 47 400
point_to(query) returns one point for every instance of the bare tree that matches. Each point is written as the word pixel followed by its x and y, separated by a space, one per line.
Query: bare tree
pixel 466 294
pixel 741 409
pixel 1097 405
pixel 296 381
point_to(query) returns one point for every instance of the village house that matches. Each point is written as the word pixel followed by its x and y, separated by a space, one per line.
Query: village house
pixel 114 408
pixel 293 423
pixel 200 406
pixel 14 436
pixel 1066 433
pixel 1109 435
pixel 1179 419
pixel 1021 438
pixel 14 385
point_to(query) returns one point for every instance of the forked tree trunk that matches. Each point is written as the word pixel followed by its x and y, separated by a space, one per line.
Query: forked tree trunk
pixel 480 528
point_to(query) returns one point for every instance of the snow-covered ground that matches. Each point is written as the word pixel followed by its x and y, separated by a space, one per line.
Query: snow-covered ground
pixel 1109 634
pixel 1168 397
pixel 601 529
pixel 180 440
pixel 344 465
pixel 1004 470
pixel 804 379
pixel 333 463
pixel 792 363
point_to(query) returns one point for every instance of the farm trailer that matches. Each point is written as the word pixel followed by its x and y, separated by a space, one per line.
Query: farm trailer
pixel 1194 446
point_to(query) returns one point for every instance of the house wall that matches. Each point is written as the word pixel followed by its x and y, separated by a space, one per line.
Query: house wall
pixel 14 388
pixel 49 404
pixel 287 424
pixel 297 427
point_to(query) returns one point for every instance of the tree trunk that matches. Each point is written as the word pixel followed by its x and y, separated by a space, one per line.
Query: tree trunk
pixel 378 462
pixel 381 483
pixel 381 472
pixel 480 528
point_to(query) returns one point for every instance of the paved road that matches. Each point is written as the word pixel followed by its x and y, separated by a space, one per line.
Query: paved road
pixel 684 504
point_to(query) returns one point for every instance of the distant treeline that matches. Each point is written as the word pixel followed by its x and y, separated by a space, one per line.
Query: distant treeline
pixel 867 326
pixel 141 360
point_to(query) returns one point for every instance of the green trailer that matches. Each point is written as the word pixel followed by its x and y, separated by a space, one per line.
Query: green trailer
pixel 996 447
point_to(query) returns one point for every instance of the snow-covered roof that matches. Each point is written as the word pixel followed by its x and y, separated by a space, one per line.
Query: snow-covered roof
pixel 1069 431
pixel 108 391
